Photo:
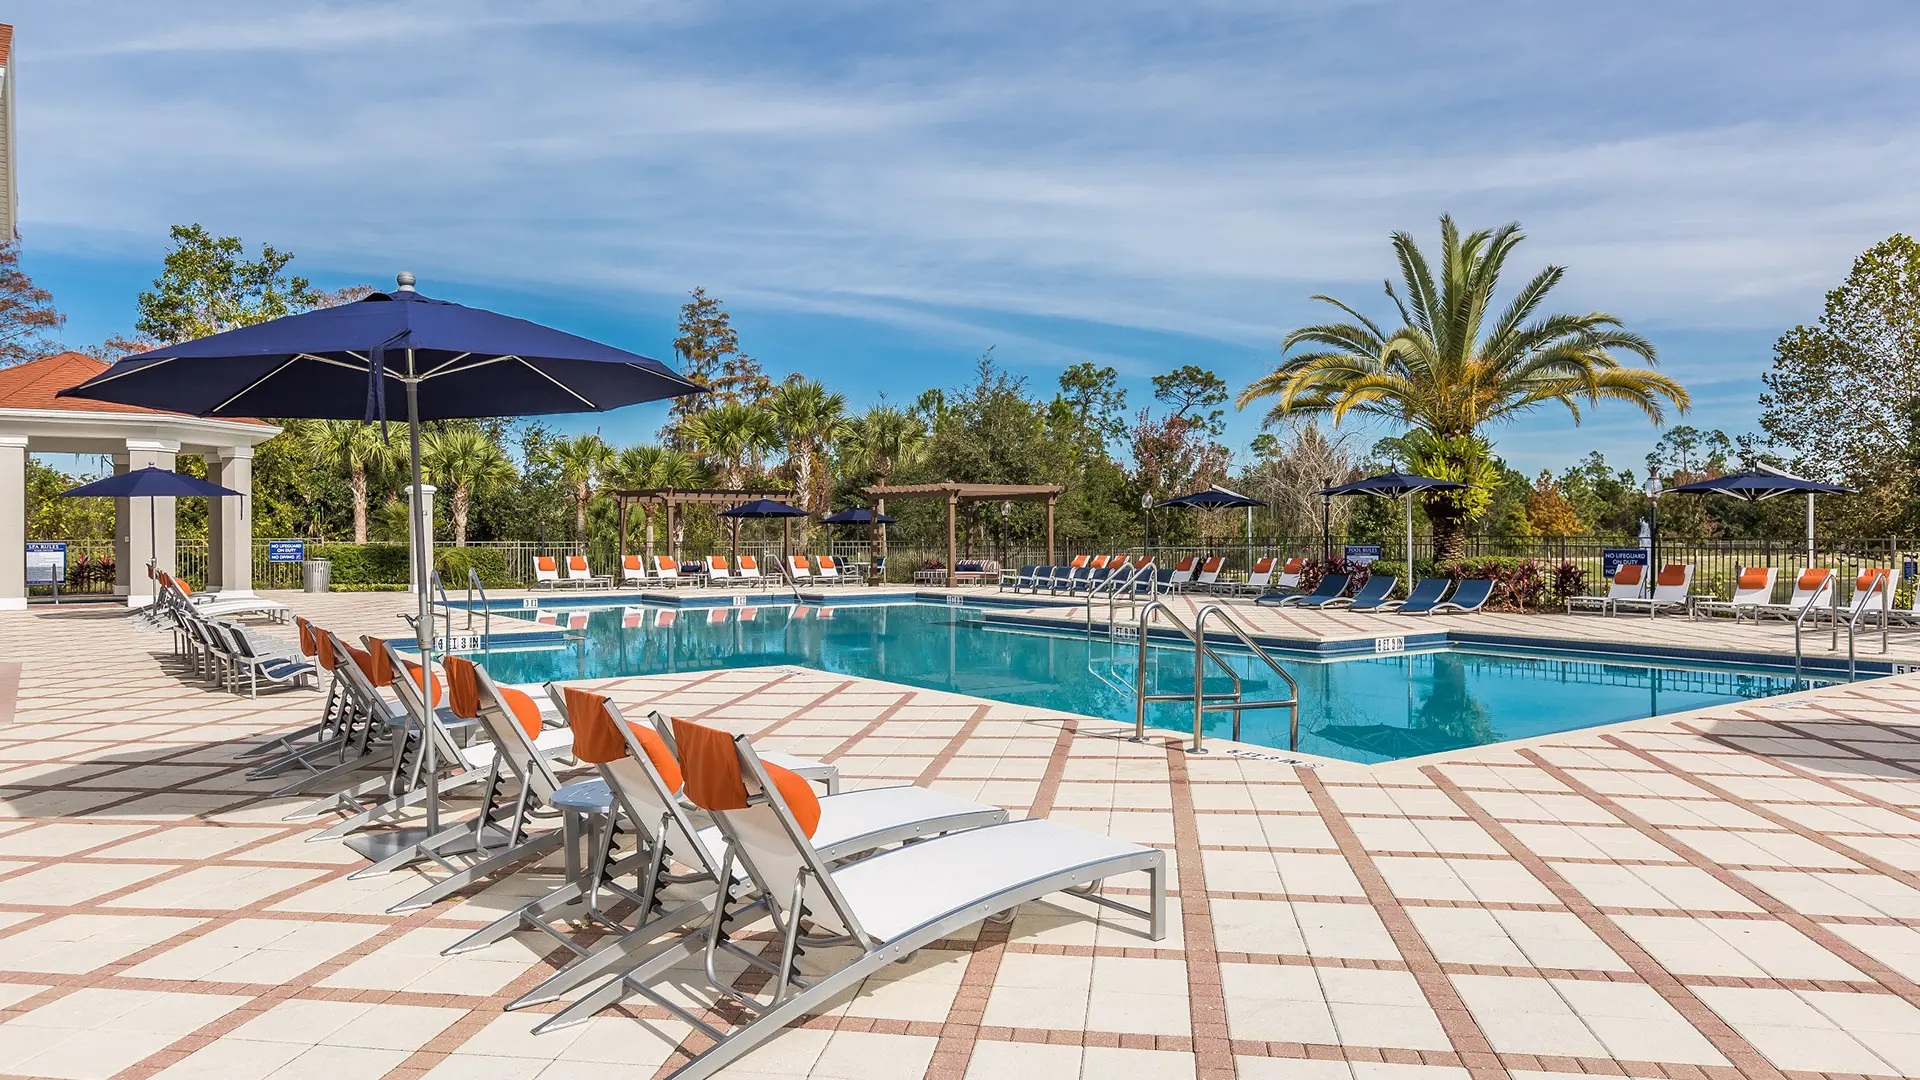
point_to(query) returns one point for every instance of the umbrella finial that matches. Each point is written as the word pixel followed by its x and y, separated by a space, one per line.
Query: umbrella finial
pixel 404 279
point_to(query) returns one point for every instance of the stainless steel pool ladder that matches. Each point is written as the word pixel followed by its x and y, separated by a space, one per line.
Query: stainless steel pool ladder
pixel 1861 609
pixel 1203 702
pixel 1131 581
pixel 486 609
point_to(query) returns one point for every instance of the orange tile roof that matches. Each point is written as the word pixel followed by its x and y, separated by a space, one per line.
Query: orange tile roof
pixel 34 384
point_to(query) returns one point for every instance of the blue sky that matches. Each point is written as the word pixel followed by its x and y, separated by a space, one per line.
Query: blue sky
pixel 879 192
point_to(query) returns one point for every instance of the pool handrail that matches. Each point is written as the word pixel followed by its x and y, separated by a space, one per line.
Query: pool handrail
pixel 1204 702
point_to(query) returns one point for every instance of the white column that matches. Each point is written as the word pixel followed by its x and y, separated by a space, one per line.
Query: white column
pixel 13 522
pixel 148 529
pixel 426 498
pixel 230 523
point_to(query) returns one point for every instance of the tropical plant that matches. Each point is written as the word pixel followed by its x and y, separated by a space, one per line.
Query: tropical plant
pixel 809 421
pixel 468 463
pixel 642 467
pixel 727 436
pixel 1446 372
pixel 885 438
pixel 355 449
pixel 582 460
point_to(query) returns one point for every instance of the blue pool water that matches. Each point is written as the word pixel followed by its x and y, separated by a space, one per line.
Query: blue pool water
pixel 1370 708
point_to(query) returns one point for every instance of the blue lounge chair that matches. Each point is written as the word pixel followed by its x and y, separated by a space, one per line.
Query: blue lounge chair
pixel 1424 597
pixel 1471 596
pixel 1371 597
pixel 1330 587
pixel 1023 580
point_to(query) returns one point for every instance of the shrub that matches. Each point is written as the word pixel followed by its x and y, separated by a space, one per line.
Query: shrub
pixel 87 571
pixel 364 564
pixel 491 563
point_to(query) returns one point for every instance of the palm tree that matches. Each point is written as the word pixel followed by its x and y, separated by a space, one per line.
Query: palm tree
pixel 1446 373
pixel 465 460
pixel 809 420
pixel 884 439
pixel 728 435
pixel 582 461
pixel 356 449
pixel 640 467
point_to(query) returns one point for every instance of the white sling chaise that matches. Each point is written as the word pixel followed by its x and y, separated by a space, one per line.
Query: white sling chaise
pixel 1752 590
pixel 644 777
pixel 1813 587
pixel 1672 591
pixel 1627 585
pixel 886 907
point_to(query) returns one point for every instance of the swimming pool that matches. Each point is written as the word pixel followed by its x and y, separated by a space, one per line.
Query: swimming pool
pixel 1365 708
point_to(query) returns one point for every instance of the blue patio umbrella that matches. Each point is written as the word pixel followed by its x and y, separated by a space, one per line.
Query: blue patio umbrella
pixel 149 483
pixel 1396 485
pixel 1760 484
pixel 1216 497
pixel 858 515
pixel 338 363
pixel 763 508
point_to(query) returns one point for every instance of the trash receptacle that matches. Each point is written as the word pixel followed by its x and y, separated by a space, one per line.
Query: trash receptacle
pixel 317 574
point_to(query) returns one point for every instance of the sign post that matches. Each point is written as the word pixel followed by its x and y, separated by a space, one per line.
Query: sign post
pixel 47 565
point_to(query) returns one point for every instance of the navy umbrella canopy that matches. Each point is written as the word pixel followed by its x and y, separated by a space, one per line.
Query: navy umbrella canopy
pixel 858 515
pixel 761 508
pixel 339 362
pixel 1213 498
pixel 149 483
pixel 1396 485
pixel 1760 484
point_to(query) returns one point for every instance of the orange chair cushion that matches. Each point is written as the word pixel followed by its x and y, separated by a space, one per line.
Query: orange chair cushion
pixel 798 795
pixel 1865 581
pixel 1812 579
pixel 307 644
pixel 1078 561
pixel 523 709
pixel 596 740
pixel 631 562
pixel 717 562
pixel 1294 566
pixel 1263 566
pixel 799 562
pixel 577 562
pixel 413 672
pixel 382 673
pixel 1673 575
pixel 1753 578
pixel 711 765
pixel 323 650
pixel 1184 565
pixel 747 562
pixel 665 562
pixel 465 702
pixel 827 563
pixel 545 564
pixel 1212 566
pixel 1629 574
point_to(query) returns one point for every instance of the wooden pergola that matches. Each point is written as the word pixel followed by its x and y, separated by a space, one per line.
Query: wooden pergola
pixel 955 494
pixel 676 497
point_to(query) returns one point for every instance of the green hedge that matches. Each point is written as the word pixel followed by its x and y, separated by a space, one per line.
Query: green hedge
pixel 453 564
pixel 364 564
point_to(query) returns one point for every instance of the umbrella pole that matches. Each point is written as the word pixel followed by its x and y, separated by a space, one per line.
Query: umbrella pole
pixel 153 539
pixel 423 629
pixel 1809 530
pixel 1409 545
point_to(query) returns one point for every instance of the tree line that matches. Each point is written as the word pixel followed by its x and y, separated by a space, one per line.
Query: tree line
pixel 1841 403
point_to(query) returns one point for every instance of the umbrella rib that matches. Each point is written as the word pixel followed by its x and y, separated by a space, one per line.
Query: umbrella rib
pixel 438 368
pixel 111 375
pixel 249 388
pixel 557 383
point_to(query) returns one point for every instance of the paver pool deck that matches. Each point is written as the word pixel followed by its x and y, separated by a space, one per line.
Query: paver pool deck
pixel 1728 893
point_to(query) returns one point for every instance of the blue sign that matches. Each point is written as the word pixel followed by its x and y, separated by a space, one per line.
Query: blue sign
pixel 1361 554
pixel 46 563
pixel 1612 559
pixel 286 551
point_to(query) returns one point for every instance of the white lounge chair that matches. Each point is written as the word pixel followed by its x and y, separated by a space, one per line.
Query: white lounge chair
pixel 1628 583
pixel 633 571
pixel 1209 575
pixel 245 658
pixel 643 774
pixel 1874 597
pixel 749 571
pixel 1814 587
pixel 667 572
pixel 829 570
pixel 546 572
pixel 1672 591
pixel 801 568
pixel 579 573
pixel 885 907
pixel 717 572
pixel 1257 581
pixel 1752 589
pixel 1290 573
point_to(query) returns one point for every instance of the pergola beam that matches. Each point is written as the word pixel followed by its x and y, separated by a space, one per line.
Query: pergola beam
pixel 957 493
pixel 670 498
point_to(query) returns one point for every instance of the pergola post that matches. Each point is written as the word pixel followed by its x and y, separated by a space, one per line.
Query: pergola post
pixel 622 503
pixel 1050 559
pixel 673 543
pixel 953 506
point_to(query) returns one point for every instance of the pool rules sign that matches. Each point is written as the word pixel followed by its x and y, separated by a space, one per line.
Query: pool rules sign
pixel 46 564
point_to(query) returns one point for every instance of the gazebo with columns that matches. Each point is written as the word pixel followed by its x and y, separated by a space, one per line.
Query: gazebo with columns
pixel 33 420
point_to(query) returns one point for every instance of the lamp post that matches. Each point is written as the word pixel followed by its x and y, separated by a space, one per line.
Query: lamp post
pixel 1653 515
pixel 1326 524
pixel 1146 519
